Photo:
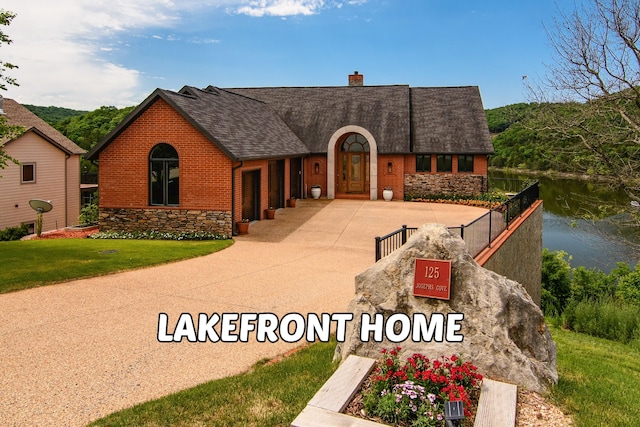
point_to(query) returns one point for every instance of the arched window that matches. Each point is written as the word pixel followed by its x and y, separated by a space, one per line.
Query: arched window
pixel 164 176
pixel 355 143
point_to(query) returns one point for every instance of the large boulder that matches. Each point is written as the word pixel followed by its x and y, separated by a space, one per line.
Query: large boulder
pixel 504 331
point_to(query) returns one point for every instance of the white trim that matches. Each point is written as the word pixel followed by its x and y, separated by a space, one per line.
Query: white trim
pixel 373 160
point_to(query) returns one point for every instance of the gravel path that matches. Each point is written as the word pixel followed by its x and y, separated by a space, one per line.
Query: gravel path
pixel 74 352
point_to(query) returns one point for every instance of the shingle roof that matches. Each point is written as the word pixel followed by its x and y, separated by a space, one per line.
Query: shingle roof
pixel 243 128
pixel 246 128
pixel 449 120
pixel 258 123
pixel 316 113
pixel 17 115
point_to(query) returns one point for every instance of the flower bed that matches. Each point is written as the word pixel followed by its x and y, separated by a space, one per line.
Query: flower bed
pixel 414 393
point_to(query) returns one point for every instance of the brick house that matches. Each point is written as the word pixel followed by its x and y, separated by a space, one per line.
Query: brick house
pixel 203 159
pixel 48 169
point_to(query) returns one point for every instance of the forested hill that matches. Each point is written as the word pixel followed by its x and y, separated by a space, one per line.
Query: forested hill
pixel 53 115
pixel 85 128
pixel 557 136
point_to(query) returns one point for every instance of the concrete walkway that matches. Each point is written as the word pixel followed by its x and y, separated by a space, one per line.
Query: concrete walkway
pixel 74 352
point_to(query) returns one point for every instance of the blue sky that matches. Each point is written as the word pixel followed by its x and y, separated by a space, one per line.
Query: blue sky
pixel 87 53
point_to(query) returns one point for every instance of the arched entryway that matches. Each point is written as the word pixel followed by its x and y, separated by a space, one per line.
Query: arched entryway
pixel 352 163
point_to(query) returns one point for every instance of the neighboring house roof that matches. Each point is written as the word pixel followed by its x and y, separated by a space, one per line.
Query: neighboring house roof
pixel 253 123
pixel 17 115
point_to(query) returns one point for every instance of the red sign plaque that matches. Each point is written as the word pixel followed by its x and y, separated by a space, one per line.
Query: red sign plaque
pixel 432 278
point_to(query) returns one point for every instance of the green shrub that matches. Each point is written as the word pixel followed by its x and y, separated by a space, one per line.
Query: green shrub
pixel 605 318
pixel 629 288
pixel 89 214
pixel 556 281
pixel 13 233
pixel 592 284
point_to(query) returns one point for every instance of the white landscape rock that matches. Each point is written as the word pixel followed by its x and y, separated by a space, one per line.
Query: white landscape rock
pixel 504 330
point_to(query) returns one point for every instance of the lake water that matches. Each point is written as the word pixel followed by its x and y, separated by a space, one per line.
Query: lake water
pixel 607 236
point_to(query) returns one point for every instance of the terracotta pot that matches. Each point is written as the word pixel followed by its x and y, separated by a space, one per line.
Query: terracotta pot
pixel 269 213
pixel 291 202
pixel 243 227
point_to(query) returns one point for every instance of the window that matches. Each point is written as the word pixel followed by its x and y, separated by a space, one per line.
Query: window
pixel 28 173
pixel 355 143
pixel 465 163
pixel 423 163
pixel 164 176
pixel 444 162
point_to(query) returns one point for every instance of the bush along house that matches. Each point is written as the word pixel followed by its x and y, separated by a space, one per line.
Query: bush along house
pixel 204 159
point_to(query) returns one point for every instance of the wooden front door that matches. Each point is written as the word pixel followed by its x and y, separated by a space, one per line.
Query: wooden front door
pixel 353 165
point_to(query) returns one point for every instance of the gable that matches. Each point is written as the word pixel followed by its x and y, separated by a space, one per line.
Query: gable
pixel 17 115
pixel 243 128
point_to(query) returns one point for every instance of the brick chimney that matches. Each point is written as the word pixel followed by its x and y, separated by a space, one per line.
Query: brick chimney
pixel 356 79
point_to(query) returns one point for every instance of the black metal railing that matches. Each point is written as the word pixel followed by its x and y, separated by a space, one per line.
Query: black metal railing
pixel 479 233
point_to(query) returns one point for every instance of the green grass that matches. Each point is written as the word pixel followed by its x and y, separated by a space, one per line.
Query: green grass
pixel 597 385
pixel 32 263
pixel 268 395
pixel 598 380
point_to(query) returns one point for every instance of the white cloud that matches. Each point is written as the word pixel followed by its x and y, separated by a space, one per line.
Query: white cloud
pixel 62 47
pixel 59 48
pixel 281 7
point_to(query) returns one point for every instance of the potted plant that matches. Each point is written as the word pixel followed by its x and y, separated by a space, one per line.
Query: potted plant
pixel 316 191
pixel 387 194
pixel 270 213
pixel 243 226
pixel 291 202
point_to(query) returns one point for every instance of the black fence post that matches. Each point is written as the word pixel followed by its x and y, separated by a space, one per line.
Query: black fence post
pixel 378 255
pixel 462 231
pixel 404 233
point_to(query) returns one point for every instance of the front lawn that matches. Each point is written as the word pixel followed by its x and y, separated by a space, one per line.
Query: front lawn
pixel 32 263
pixel 598 386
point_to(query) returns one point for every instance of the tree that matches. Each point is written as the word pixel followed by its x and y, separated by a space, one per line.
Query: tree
pixel 6 132
pixel 596 72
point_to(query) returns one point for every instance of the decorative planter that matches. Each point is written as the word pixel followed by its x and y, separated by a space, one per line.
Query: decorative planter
pixel 315 192
pixel 243 227
pixel 291 202
pixel 387 194
pixel 269 213
pixel 496 407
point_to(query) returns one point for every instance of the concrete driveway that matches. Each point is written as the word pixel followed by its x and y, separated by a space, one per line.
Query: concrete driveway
pixel 74 352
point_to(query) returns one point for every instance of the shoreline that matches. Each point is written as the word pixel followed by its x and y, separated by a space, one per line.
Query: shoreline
pixel 554 174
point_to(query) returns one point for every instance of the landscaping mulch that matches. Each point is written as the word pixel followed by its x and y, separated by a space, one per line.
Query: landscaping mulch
pixel 65 233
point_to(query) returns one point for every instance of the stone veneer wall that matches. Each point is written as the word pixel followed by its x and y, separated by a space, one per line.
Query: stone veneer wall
pixel 153 219
pixel 424 184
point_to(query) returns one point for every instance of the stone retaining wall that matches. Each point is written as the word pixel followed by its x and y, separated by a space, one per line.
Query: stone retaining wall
pixel 154 219
pixel 422 184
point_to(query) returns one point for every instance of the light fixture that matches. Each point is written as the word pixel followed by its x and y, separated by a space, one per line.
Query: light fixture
pixel 390 167
pixel 453 413
pixel 316 168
